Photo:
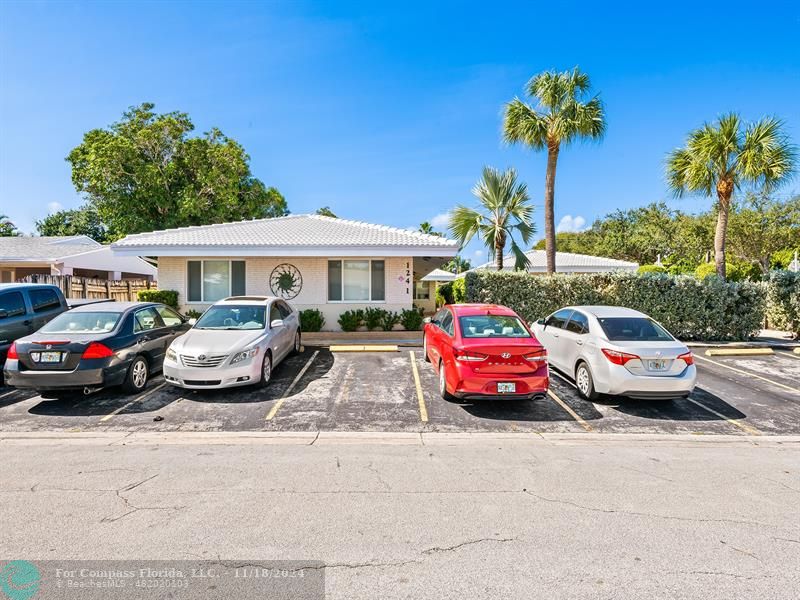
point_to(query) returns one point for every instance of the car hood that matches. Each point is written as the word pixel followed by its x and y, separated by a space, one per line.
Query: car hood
pixel 215 341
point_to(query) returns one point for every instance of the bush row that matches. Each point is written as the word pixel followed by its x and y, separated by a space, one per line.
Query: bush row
pixel 378 318
pixel 168 297
pixel 708 309
pixel 783 301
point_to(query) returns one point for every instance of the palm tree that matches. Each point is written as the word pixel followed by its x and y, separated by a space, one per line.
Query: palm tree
pixel 457 265
pixel 561 115
pixel 722 156
pixel 506 209
pixel 7 227
pixel 427 228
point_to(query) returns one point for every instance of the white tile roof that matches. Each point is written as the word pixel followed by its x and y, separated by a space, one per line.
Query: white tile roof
pixel 44 249
pixel 439 275
pixel 567 262
pixel 292 234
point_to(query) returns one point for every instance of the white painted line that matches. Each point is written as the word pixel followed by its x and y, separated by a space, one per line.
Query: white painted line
pixel 423 410
pixel 132 402
pixel 787 353
pixel 571 412
pixel 288 391
pixel 9 393
pixel 562 378
pixel 750 374
pixel 736 422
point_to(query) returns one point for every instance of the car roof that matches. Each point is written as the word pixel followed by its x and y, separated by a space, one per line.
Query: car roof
pixel 463 310
pixel 21 286
pixel 603 312
pixel 112 307
pixel 255 300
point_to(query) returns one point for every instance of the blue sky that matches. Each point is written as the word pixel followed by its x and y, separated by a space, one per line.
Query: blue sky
pixel 386 112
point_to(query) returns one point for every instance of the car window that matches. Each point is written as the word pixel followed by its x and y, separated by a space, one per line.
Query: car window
pixel 559 318
pixel 447 322
pixel 494 326
pixel 578 323
pixel 233 316
pixel 437 318
pixel 169 316
pixel 274 312
pixel 44 299
pixel 13 303
pixel 74 321
pixel 634 329
pixel 146 319
pixel 284 309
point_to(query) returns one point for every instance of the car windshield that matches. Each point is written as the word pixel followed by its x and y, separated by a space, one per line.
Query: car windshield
pixel 82 322
pixel 230 316
pixel 492 326
pixel 634 329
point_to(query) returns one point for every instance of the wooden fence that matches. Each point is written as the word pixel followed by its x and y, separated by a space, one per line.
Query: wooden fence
pixel 84 287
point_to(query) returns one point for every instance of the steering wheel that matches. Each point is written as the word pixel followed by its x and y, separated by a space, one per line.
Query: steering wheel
pixel 228 322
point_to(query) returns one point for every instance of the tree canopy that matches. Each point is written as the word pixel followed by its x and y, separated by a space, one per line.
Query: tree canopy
pixel 325 211
pixel 79 221
pixel 7 227
pixel 145 173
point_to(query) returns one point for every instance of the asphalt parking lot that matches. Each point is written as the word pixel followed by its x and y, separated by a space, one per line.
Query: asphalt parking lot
pixel 318 390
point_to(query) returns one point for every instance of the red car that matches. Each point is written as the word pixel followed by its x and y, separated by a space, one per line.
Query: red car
pixel 485 351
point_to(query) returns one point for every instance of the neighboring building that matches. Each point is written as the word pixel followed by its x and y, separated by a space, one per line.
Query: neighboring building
pixel 425 289
pixel 310 260
pixel 78 255
pixel 566 262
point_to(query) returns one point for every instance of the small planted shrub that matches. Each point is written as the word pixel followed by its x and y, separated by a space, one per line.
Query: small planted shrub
pixel 373 317
pixel 411 319
pixel 459 291
pixel 168 297
pixel 350 320
pixel 311 320
pixel 444 294
pixel 651 270
pixel 192 314
pixel 389 319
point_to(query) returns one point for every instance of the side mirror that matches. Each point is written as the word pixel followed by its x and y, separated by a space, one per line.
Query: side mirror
pixel 3 314
pixel 539 322
pixel 427 320
pixel 192 321
pixel 276 323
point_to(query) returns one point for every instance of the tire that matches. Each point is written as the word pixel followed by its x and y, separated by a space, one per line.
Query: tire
pixel 297 343
pixel 425 348
pixel 585 383
pixel 266 371
pixel 138 374
pixel 443 383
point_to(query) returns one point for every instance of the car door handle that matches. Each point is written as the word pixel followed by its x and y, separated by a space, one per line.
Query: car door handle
pixel 555 335
pixel 579 342
pixel 143 339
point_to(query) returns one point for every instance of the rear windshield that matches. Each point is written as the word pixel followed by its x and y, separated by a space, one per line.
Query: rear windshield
pixel 634 329
pixel 231 316
pixel 492 326
pixel 82 322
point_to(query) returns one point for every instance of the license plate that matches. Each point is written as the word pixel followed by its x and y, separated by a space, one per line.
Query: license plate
pixel 46 357
pixel 506 388
pixel 657 365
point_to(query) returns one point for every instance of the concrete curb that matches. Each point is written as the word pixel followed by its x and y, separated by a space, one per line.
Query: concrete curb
pixel 739 352
pixel 364 348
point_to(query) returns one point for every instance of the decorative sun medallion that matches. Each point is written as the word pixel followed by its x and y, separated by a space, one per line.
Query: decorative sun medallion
pixel 286 281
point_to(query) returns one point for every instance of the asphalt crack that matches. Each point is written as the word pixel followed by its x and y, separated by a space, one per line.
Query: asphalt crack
pixel 437 549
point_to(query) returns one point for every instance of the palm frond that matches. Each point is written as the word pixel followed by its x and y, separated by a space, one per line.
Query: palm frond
pixel 521 261
pixel 767 156
pixel 464 224
pixel 522 124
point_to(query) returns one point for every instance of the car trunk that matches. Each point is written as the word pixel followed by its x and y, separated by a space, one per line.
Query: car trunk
pixel 56 352
pixel 657 359
pixel 504 355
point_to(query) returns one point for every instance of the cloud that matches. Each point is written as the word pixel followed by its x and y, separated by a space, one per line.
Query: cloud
pixel 568 223
pixel 53 207
pixel 479 253
pixel 441 220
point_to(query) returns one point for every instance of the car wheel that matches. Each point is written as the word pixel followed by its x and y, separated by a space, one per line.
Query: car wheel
pixel 266 370
pixel 138 373
pixel 297 344
pixel 585 383
pixel 425 348
pixel 443 383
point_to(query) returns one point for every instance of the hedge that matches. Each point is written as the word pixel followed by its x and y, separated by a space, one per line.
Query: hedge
pixel 783 301
pixel 168 297
pixel 311 320
pixel 709 309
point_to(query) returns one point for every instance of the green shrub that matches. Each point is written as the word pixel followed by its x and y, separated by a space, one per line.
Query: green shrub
pixel 690 308
pixel 350 320
pixel 411 319
pixel 168 297
pixel 459 291
pixel 389 319
pixel 193 314
pixel 373 317
pixel 444 294
pixel 651 269
pixel 734 271
pixel 311 320
pixel 783 301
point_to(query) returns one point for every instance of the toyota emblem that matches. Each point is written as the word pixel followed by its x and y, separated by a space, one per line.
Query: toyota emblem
pixel 506 355
pixel 202 358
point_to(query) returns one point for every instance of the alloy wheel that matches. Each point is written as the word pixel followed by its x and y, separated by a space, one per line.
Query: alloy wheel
pixel 582 380
pixel 297 342
pixel 139 373
pixel 266 370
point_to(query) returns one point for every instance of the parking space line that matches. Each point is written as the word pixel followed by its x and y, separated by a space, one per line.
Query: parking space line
pixel 423 411
pixel 571 412
pixel 279 403
pixel 749 374
pixel 785 353
pixel 735 422
pixel 132 402
pixel 8 393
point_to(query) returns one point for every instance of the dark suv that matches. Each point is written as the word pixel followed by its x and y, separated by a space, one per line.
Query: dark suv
pixel 24 308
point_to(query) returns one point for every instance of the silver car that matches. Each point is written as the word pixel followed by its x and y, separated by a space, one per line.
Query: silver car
pixel 618 351
pixel 237 341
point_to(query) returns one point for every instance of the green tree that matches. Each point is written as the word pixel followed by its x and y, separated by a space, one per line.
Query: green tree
pixel 458 264
pixel 720 157
pixel 763 226
pixel 325 211
pixel 7 227
pixel 145 173
pixel 79 221
pixel 504 209
pixel 562 114
pixel 427 228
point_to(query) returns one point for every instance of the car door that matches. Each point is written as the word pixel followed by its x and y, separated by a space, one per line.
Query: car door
pixel 290 319
pixel 15 322
pixel 46 305
pixel 280 335
pixel 446 331
pixel 175 324
pixel 550 336
pixel 572 340
pixel 433 336
pixel 151 335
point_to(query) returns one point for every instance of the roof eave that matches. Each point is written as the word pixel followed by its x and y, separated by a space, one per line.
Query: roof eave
pixel 279 251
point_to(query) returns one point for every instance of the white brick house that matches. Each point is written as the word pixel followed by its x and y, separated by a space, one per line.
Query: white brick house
pixel 312 261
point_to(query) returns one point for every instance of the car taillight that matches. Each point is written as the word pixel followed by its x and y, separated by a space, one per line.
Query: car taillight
pixel 97 350
pixel 12 351
pixel 688 358
pixel 617 357
pixel 536 356
pixel 465 356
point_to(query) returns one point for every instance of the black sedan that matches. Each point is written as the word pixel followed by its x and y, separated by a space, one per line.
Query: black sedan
pixel 95 346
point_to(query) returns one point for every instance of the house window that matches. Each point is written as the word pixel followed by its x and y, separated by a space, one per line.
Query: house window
pixel 213 280
pixel 356 281
pixel 422 291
